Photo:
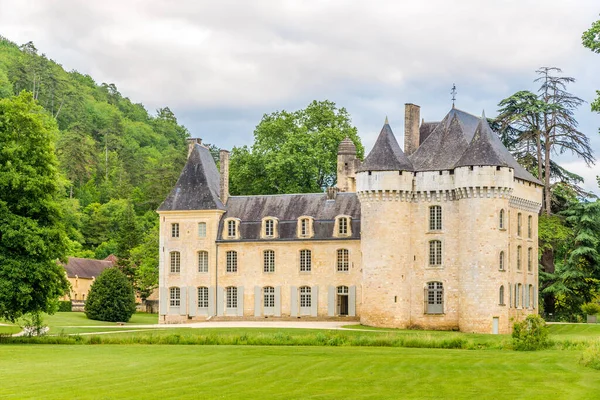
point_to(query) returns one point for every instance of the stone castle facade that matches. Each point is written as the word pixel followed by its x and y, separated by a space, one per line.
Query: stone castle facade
pixel 442 235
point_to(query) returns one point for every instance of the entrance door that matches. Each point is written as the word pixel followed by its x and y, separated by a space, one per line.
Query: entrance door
pixel 342 300
pixel 495 325
pixel 305 300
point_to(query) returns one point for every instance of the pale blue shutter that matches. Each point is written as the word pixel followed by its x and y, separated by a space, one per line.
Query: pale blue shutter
pixel 183 306
pixel 314 294
pixel 220 301
pixel 163 300
pixel 331 301
pixel 352 301
pixel 278 301
pixel 257 301
pixel 193 300
pixel 509 295
pixel 211 301
pixel 526 302
pixel 293 301
pixel 240 301
pixel 535 298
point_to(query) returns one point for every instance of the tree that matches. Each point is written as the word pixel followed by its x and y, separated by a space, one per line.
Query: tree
pixel 32 236
pixel 145 257
pixel 111 297
pixel 75 151
pixel 293 152
pixel 591 40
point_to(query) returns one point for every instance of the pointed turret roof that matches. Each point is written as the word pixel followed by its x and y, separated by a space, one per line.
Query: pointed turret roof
pixel 198 185
pixel 386 154
pixel 485 148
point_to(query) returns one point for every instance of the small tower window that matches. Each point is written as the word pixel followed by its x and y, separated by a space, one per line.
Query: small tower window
pixel 435 218
pixel 529 226
pixel 529 259
pixel 518 258
pixel 435 253
pixel 519 221
pixel 501 261
pixel 501 220
pixel 501 296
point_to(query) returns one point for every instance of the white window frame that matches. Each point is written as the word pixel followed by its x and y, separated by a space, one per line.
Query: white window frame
pixel 519 257
pixel 435 253
pixel 502 219
pixel 268 297
pixel 174 296
pixel 175 262
pixel 203 299
pixel 529 227
pixel 519 224
pixel 435 218
pixel 231 297
pixel 529 259
pixel 434 297
pixel 269 261
pixel 203 261
pixel 501 296
pixel 174 230
pixel 305 297
pixel 231 228
pixel 343 260
pixel 231 263
pixel 305 260
pixel 202 229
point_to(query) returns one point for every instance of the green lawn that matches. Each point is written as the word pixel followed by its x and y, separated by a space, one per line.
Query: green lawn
pixel 9 330
pixel 65 319
pixel 235 372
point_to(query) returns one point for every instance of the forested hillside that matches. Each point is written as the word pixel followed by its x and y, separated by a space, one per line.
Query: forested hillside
pixel 118 162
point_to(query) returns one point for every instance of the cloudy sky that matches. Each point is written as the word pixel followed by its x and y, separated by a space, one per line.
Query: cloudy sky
pixel 221 65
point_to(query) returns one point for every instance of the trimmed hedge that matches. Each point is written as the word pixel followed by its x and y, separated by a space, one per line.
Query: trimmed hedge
pixel 65 306
pixel 111 297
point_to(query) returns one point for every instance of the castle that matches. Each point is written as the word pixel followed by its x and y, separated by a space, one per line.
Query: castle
pixel 442 235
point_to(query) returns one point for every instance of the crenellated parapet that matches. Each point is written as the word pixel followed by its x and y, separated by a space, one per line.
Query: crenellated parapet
pixel 483 192
pixel 385 195
pixel 524 204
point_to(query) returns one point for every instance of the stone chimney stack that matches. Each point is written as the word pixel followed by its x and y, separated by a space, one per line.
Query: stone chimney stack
pixel 412 114
pixel 224 169
pixel 191 143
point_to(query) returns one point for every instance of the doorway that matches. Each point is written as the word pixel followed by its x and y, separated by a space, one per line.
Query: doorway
pixel 495 325
pixel 342 300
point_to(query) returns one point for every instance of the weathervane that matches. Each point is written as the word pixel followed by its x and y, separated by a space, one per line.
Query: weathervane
pixel 453 93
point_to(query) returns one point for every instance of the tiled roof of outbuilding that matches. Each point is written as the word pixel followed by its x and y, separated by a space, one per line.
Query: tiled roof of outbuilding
pixel 198 185
pixel 386 154
pixel 287 208
pixel 86 267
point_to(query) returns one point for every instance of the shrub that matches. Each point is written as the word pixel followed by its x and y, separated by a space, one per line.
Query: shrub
pixel 591 308
pixel 33 324
pixel 64 306
pixel 111 297
pixel 530 334
pixel 591 356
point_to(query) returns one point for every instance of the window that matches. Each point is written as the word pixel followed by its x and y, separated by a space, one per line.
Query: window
pixel 529 226
pixel 269 296
pixel 520 295
pixel 269 261
pixel 304 227
pixel 231 228
pixel 435 297
pixel 175 262
pixel 203 297
pixel 501 296
pixel 342 290
pixel 175 230
pixel 519 219
pixel 435 218
pixel 175 297
pixel 203 261
pixel 518 258
pixel 501 261
pixel 305 298
pixel 343 223
pixel 269 228
pixel 515 297
pixel 305 260
pixel 529 259
pixel 231 261
pixel 201 229
pixel 343 260
pixel 435 253
pixel 231 297
pixel 501 222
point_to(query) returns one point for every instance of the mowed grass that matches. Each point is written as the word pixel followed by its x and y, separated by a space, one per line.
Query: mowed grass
pixel 9 329
pixel 256 372
pixel 61 320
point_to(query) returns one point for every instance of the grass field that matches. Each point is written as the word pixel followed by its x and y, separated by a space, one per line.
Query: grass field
pixel 236 372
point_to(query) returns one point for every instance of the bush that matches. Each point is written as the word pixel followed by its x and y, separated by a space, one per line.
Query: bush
pixel 530 334
pixel 64 306
pixel 591 308
pixel 591 356
pixel 111 297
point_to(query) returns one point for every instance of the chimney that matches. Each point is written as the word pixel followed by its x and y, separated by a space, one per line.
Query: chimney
pixel 224 168
pixel 412 113
pixel 191 143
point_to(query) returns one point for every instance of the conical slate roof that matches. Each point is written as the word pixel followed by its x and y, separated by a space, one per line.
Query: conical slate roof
pixel 198 185
pixel 347 147
pixel 386 154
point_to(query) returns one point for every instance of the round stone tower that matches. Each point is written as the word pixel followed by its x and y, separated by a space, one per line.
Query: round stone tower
pixel 384 187
pixel 347 162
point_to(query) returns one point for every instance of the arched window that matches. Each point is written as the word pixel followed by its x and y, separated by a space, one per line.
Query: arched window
pixel 268 261
pixel 305 260
pixel 501 220
pixel 435 253
pixel 343 262
pixel 529 259
pixel 435 218
pixel 529 226
pixel 203 261
pixel 501 296
pixel 434 297
pixel 174 297
pixel 202 297
pixel 519 223
pixel 232 264
pixel 501 261
pixel 518 258
pixel 268 296
pixel 175 262
pixel 232 297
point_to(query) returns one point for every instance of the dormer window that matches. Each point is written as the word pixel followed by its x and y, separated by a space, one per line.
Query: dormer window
pixel 269 227
pixel 305 227
pixel 232 229
pixel 342 226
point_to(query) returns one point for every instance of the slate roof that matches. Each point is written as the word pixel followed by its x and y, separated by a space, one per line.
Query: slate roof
pixel 425 130
pixel 198 186
pixel 287 208
pixel 386 154
pixel 86 267
pixel 347 147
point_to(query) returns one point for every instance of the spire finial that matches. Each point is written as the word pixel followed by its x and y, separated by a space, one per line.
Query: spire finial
pixel 386 121
pixel 453 93
pixel 483 114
